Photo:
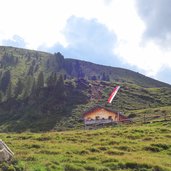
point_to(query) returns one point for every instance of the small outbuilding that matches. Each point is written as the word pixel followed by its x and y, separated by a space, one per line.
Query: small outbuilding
pixel 101 115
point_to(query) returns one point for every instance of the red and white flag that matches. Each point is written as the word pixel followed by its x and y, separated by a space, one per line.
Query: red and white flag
pixel 113 94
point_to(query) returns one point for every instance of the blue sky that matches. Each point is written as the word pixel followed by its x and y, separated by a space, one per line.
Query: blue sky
pixel 133 34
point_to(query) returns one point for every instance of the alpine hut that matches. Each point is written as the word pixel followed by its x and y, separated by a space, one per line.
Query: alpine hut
pixel 99 115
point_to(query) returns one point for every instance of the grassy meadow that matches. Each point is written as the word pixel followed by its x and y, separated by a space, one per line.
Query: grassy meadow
pixel 124 147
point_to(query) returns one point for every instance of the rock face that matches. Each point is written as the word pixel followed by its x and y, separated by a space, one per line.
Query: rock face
pixel 5 153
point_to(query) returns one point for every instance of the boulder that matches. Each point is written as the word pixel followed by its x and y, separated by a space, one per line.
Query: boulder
pixel 5 153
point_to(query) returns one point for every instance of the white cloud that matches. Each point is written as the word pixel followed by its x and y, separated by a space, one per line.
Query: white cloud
pixel 156 15
pixel 148 57
pixel 16 41
pixel 43 21
pixel 87 40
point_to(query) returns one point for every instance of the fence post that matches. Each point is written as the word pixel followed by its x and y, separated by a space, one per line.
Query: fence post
pixel 144 118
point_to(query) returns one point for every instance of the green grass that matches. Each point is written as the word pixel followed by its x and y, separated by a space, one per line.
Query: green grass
pixel 151 114
pixel 131 147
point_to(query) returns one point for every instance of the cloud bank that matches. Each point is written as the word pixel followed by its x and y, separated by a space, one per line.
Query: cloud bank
pixel 87 40
pixel 156 15
pixel 134 34
pixel 15 41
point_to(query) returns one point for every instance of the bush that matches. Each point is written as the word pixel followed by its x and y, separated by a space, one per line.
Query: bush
pixel 102 148
pixel 104 169
pixel 14 166
pixel 44 138
pixel 112 166
pixel 132 115
pixel 133 165
pixel 162 146
pixel 125 148
pixel 93 149
pixel 152 149
pixel 157 147
pixel 35 146
pixel 114 152
pixel 72 167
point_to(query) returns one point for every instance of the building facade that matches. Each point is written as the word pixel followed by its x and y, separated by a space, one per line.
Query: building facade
pixel 100 115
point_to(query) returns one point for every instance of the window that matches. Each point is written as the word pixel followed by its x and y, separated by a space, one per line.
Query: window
pixel 110 117
pixel 88 119
pixel 97 117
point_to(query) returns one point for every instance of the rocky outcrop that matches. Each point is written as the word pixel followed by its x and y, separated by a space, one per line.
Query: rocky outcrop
pixel 5 153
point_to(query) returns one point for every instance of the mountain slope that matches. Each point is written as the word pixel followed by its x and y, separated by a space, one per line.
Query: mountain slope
pixel 90 70
pixel 22 62
pixel 41 91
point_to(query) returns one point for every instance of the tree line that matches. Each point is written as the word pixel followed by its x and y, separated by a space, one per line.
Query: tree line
pixel 24 87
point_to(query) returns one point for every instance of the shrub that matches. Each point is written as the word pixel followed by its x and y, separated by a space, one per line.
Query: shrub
pixel 164 130
pixel 93 149
pixel 96 168
pixel 152 149
pixel 114 152
pixel 48 152
pixel 72 167
pixel 113 143
pixel 34 146
pixel 102 148
pixel 14 166
pixel 162 146
pixel 147 139
pixel 31 158
pixel 112 166
pixel 132 115
pixel 134 165
pixel 44 138
pixel 104 169
pixel 158 168
pixel 11 168
pixel 109 160
pixel 84 152
pixel 157 147
pixel 125 148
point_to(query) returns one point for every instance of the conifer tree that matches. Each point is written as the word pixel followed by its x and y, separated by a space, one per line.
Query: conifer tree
pixel 28 86
pixel 9 91
pixel 59 87
pixel 33 89
pixel 1 96
pixel 6 78
pixel 52 79
pixel 40 80
pixel 19 88
pixel 60 83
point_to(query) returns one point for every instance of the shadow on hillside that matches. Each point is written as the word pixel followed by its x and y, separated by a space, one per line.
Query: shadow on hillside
pixel 42 110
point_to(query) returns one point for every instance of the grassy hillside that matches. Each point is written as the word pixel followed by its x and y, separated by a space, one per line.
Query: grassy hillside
pixel 45 110
pixel 41 91
pixel 46 92
pixel 107 73
pixel 23 62
pixel 136 147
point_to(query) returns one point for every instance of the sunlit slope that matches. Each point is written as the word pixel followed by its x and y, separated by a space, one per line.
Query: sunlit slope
pixel 141 148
